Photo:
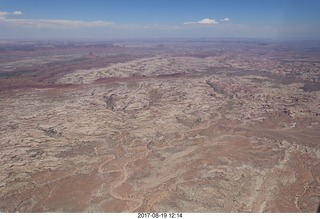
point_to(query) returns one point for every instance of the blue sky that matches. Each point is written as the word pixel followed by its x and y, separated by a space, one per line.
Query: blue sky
pixel 159 18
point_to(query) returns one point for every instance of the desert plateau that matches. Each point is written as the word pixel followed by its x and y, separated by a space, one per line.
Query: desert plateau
pixel 188 125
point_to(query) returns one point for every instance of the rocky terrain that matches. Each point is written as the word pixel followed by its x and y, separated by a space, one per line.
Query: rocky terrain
pixel 200 127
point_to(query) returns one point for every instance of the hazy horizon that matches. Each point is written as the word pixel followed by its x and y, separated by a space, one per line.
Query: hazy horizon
pixel 286 19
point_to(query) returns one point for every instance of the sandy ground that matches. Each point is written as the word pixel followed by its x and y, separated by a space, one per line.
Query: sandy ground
pixel 197 140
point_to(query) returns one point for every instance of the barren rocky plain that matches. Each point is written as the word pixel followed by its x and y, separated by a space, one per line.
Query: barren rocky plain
pixel 173 126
